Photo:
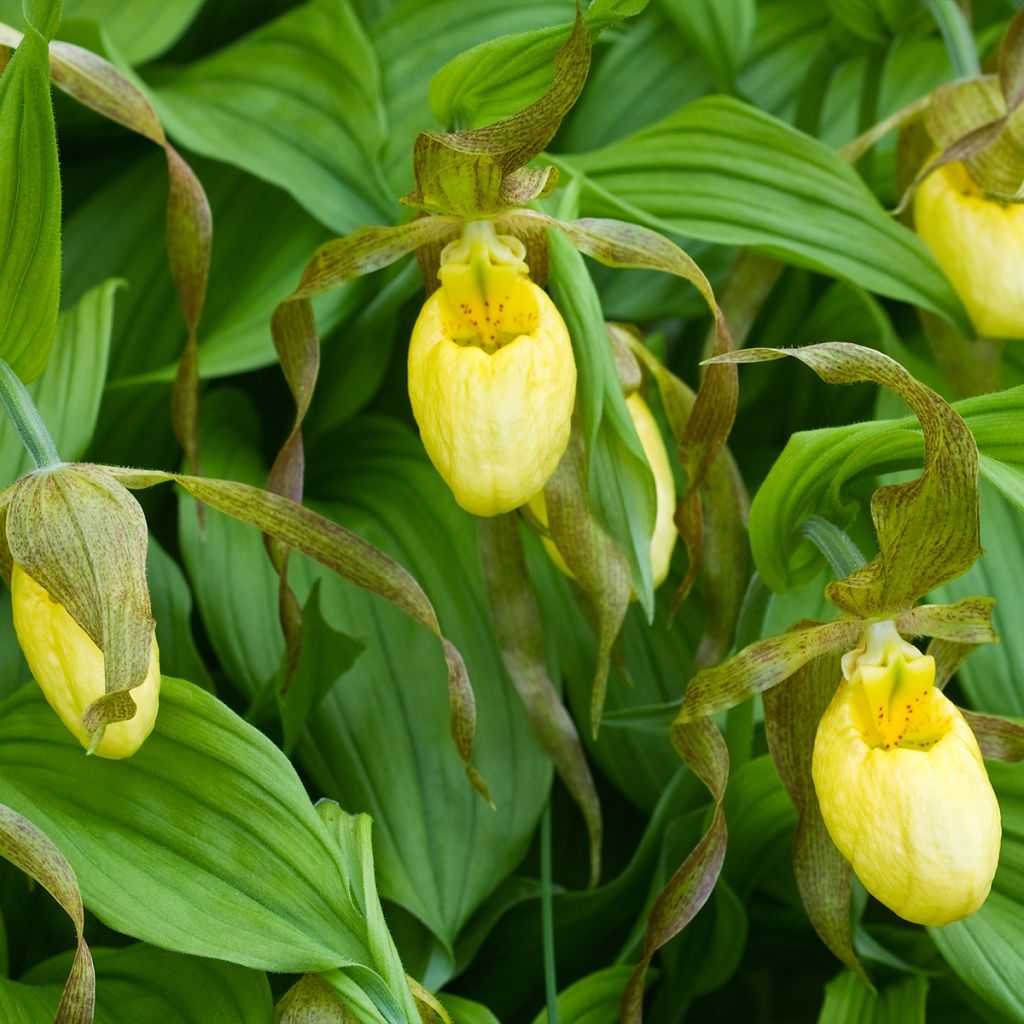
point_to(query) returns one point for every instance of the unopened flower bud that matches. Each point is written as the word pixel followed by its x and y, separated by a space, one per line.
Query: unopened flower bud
pixel 69 668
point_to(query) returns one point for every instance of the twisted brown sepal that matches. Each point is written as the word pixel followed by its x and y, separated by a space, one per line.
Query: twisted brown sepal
pixel 716 544
pixel 767 663
pixel 31 850
pixel 823 876
pixel 518 627
pixel 702 747
pixel 293 328
pixel 345 553
pixel 82 536
pixel 97 84
pixel 928 528
pixel 594 559
pixel 481 173
pixel 980 121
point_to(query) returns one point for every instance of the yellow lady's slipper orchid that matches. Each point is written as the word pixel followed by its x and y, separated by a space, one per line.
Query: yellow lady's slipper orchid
pixel 69 668
pixel 902 786
pixel 979 243
pixel 492 378
pixel 663 540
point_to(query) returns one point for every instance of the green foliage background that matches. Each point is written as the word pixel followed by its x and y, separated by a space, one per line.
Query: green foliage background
pixel 716 122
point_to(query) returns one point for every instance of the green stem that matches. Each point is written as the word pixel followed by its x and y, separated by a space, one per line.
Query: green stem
pixel 547 916
pixel 840 552
pixel 26 419
pixel 956 34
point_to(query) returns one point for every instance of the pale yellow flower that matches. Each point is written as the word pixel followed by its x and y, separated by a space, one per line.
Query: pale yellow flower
pixel 979 243
pixel 902 786
pixel 492 378
pixel 69 668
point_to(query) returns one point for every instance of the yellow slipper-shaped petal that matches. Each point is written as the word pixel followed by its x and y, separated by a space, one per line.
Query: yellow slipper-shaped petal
pixel 492 378
pixel 902 786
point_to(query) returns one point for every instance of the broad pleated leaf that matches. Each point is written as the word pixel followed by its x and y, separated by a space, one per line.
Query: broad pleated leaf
pixel 156 839
pixel 849 1001
pixel 142 983
pixel 297 103
pixel 723 171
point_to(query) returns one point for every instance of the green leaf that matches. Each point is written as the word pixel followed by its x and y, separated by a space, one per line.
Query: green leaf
pixel 322 646
pixel 465 1011
pixel 68 392
pixel 815 467
pixel 724 172
pixel 987 949
pixel 29 209
pixel 388 718
pixel 155 839
pixel 591 1000
pixel 927 529
pixel 849 1001
pixel 142 983
pixel 721 33
pixel 296 103
pixel 172 608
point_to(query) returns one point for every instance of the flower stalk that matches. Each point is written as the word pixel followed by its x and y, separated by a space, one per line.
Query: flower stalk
pixel 18 404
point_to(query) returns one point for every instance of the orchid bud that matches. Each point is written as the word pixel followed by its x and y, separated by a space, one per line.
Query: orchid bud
pixel 902 786
pixel 69 668
pixel 492 378
pixel 76 540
